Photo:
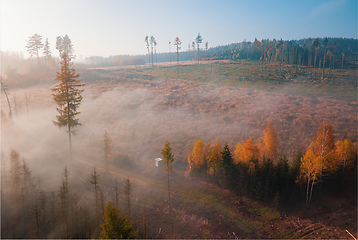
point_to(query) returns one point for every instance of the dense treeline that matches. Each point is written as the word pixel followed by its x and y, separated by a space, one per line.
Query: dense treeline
pixel 317 52
pixel 256 169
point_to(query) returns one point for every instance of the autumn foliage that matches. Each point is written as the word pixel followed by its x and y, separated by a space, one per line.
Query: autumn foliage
pixel 196 158
pixel 268 143
pixel 323 158
pixel 257 169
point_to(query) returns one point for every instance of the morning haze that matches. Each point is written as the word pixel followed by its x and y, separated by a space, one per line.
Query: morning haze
pixel 248 109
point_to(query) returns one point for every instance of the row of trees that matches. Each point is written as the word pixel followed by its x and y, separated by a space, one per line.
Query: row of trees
pixel 31 210
pixel 316 53
pixel 193 48
pixel 256 168
pixel 151 46
pixel 63 45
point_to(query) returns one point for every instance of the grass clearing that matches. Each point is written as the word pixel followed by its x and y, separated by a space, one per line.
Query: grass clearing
pixel 341 84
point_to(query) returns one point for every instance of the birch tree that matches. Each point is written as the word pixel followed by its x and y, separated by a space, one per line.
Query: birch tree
pixel 310 171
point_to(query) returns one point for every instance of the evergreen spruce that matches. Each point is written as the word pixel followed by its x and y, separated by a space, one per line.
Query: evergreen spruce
pixel 67 95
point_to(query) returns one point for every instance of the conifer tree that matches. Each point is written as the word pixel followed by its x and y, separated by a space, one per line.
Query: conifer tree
pixel 15 169
pixel 47 51
pixel 107 148
pixel 198 40
pixel 64 201
pixel 64 46
pixel 227 167
pixel 127 195
pixel 151 41
pixel 67 95
pixel 116 226
pixel 146 40
pixel 34 44
pixel 95 180
pixel 334 52
pixel 315 47
pixel 325 42
pixel 177 43
pixel 168 158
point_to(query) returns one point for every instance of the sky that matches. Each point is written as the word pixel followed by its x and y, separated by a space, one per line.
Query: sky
pixel 118 27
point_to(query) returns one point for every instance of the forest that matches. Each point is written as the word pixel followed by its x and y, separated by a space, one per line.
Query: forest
pixel 248 140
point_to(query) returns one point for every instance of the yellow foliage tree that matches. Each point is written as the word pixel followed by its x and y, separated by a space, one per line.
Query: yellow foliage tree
pixel 214 158
pixel 196 158
pixel 344 153
pixel 245 152
pixel 323 146
pixel 238 153
pixel 268 142
pixel 310 170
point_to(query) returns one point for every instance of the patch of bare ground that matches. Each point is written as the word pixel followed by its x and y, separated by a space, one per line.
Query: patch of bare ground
pixel 331 218
pixel 201 210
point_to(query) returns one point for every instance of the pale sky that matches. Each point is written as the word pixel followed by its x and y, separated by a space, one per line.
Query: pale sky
pixel 115 27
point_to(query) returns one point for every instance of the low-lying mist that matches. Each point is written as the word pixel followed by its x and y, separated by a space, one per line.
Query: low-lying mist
pixel 140 115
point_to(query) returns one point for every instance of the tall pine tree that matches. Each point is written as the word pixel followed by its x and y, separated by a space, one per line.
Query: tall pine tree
pixel 67 95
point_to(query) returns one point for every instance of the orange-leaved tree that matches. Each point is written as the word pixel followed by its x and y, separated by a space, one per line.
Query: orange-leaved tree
pixel 268 143
pixel 214 159
pixel 344 153
pixel 245 152
pixel 196 158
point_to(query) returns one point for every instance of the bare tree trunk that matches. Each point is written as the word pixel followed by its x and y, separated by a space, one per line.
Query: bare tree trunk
pixel 127 192
pixel 178 66
pixel 68 123
pixel 27 99
pixel 314 64
pixel 307 190
pixel 7 97
pixel 309 201
pixel 324 62
pixel 170 208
